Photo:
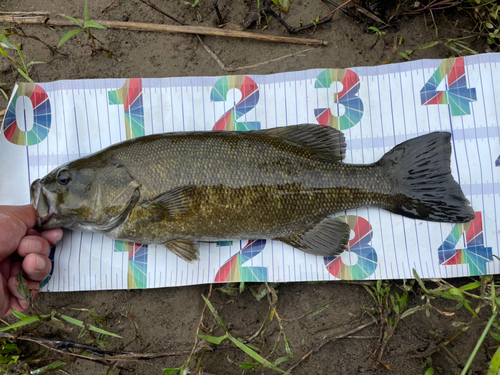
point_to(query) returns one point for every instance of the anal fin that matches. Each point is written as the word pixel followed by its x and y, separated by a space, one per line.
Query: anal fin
pixel 329 237
pixel 185 249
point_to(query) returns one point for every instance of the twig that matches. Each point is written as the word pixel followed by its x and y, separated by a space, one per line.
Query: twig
pixel 331 339
pixel 267 62
pixel 228 69
pixel 199 325
pixel 45 20
pixel 34 37
pixel 336 9
pixel 219 16
pixel 104 354
pixel 2 112
pixel 294 30
pixel 347 12
pixel 148 3
pixel 450 354
pixel 107 7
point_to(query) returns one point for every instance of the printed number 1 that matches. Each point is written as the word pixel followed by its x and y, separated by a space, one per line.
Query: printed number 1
pixel 130 96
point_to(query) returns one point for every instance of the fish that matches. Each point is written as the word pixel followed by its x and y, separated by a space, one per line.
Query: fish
pixel 285 183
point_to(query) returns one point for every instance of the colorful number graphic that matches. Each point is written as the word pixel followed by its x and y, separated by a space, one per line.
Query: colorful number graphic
pixel 475 254
pixel 348 97
pixel 42 117
pixel 249 99
pixel 233 269
pixel 359 245
pixel 457 95
pixel 51 258
pixel 137 263
pixel 130 96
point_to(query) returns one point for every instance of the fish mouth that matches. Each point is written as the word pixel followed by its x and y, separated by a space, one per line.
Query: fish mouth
pixel 45 204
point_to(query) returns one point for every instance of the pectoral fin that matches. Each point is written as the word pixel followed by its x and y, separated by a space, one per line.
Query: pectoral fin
pixel 173 204
pixel 329 237
pixel 185 249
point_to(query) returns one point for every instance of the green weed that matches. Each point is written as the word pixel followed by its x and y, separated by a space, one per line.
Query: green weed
pixel 390 309
pixel 195 6
pixel 485 294
pixel 85 28
pixel 19 63
pixel 283 5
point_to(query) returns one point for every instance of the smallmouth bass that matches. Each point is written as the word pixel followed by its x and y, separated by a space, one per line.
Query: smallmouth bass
pixel 176 189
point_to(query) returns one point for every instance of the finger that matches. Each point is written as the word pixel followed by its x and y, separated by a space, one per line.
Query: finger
pixel 33 245
pixel 32 232
pixel 5 299
pixel 16 300
pixel 15 222
pixel 5 268
pixel 18 304
pixel 13 284
pixel 52 235
pixel 36 267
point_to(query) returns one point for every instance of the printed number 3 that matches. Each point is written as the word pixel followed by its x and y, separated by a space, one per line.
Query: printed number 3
pixel 348 97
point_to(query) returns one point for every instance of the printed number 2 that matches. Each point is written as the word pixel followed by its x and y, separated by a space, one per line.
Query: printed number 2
pixel 249 99
pixel 348 98
pixel 456 94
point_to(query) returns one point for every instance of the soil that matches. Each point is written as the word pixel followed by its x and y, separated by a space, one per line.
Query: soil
pixel 167 319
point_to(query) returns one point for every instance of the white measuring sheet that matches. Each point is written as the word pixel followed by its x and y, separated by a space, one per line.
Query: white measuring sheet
pixel 48 124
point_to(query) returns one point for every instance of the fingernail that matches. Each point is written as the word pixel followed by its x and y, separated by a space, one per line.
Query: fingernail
pixel 33 246
pixel 40 264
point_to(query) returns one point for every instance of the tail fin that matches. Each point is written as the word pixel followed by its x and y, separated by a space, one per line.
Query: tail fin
pixel 424 187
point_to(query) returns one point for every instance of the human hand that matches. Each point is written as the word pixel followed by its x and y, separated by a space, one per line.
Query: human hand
pixel 22 247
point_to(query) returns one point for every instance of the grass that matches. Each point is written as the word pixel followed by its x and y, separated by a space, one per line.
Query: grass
pixel 86 28
pixel 15 359
pixel 269 346
pixel 18 62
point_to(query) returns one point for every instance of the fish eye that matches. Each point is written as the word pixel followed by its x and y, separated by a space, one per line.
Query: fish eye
pixel 63 177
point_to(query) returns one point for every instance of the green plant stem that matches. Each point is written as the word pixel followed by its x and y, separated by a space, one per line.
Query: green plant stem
pixel 478 345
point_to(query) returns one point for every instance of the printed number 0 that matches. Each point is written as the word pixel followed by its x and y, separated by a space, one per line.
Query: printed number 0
pixel 249 99
pixel 348 97
pixel 42 117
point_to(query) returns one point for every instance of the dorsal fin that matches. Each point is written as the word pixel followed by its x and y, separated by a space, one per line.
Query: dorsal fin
pixel 325 141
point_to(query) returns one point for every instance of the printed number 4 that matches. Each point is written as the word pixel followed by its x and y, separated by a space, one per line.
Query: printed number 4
pixel 476 255
pixel 456 94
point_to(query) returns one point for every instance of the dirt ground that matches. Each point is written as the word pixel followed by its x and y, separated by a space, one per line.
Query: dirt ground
pixel 167 319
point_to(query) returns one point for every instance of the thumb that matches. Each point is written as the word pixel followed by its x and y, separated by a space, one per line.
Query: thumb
pixel 15 222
